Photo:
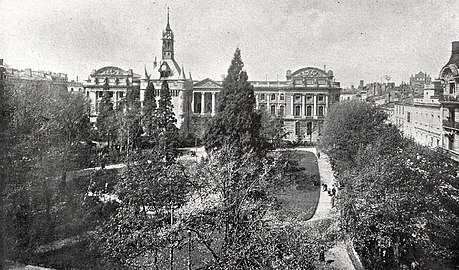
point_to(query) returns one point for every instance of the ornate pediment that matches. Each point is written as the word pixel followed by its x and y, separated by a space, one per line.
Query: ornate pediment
pixel 310 72
pixel 110 71
pixel 207 83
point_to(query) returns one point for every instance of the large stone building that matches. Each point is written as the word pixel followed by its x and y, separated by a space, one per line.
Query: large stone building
pixel 116 81
pixel 302 100
pixel 169 70
pixel 418 81
pixel 419 117
pixel 449 76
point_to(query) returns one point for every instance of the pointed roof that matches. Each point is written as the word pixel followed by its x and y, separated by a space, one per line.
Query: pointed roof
pixel 145 75
pixel 168 26
pixel 183 74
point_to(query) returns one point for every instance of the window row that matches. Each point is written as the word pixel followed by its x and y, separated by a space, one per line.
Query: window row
pixel 271 96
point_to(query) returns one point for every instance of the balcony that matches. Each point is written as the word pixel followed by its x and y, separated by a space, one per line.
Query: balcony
pixel 449 99
pixel 451 124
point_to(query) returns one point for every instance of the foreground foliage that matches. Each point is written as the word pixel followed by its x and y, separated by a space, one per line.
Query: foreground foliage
pixel 399 200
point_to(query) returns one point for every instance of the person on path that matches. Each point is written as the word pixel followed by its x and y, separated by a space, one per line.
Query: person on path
pixel 325 186
pixel 333 191
pixel 333 201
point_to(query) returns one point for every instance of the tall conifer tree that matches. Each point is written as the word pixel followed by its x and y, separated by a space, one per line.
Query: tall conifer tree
pixel 236 123
pixel 165 123
pixel 149 110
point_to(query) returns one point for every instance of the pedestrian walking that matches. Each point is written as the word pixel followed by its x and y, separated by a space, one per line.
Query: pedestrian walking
pixel 333 191
pixel 333 201
pixel 318 154
pixel 325 186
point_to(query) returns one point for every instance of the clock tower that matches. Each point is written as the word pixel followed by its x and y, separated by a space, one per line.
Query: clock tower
pixel 168 41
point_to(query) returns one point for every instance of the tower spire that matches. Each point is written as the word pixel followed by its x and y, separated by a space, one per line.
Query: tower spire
pixel 168 26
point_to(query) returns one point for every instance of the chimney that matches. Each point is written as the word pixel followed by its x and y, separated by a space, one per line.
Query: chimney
pixel 325 68
pixel 1 62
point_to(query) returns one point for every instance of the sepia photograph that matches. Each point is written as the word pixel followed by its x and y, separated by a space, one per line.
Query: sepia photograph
pixel 229 134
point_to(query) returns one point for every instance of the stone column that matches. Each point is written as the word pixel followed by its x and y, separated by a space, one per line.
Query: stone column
pixel 303 105
pixel 256 102
pixel 213 103
pixel 192 103
pixel 291 107
pixel 202 102
pixel 314 113
pixel 326 105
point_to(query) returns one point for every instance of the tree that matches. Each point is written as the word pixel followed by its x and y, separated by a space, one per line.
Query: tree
pixel 166 130
pixel 105 119
pixel 273 130
pixel 229 216
pixel 349 127
pixel 149 110
pixel 236 123
pixel 5 118
pixel 149 190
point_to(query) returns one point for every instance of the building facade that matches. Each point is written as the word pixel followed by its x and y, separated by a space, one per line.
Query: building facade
pixel 115 81
pixel 419 118
pixel 302 100
pixel 418 81
pixel 169 70
pixel 449 100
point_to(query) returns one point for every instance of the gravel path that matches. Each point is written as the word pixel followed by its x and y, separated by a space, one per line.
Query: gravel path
pixel 337 257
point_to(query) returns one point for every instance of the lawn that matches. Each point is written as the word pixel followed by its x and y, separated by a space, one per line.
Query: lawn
pixel 300 195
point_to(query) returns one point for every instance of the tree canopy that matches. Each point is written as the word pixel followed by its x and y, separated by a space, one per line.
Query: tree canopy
pixel 236 122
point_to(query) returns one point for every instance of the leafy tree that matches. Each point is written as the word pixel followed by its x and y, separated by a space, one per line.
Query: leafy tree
pixel 349 127
pixel 150 189
pixel 273 130
pixel 236 123
pixel 5 118
pixel 228 214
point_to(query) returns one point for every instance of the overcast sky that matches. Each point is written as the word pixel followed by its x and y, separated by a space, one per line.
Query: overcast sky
pixel 357 39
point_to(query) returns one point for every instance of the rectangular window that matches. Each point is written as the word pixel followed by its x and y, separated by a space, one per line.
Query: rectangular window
pixel 281 97
pixel 321 82
pixel 320 98
pixel 262 96
pixel 408 117
pixel 298 82
pixel 310 82
pixel 309 98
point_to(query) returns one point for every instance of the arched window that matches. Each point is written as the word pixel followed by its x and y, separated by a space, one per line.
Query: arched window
pixel 281 110
pixel 297 128
pixel 308 110
pixel 321 111
pixel 281 97
pixel 273 109
pixel 273 97
pixel 297 110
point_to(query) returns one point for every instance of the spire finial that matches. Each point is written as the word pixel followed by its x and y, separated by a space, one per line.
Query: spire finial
pixel 168 27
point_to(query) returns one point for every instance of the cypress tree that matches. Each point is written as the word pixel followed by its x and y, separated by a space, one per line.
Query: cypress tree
pixel 149 110
pixel 165 124
pixel 105 117
pixel 236 122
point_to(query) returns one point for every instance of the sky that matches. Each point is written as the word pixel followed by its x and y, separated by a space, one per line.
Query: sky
pixel 357 39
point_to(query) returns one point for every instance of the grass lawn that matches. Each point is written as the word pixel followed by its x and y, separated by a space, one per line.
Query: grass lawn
pixel 300 196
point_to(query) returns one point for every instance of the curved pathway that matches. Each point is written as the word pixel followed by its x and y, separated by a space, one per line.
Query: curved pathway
pixel 337 256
